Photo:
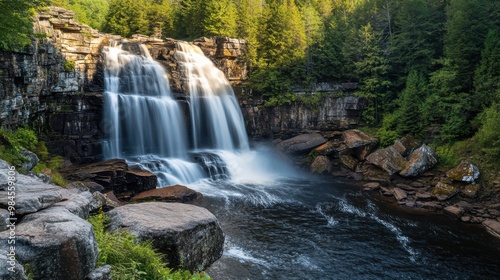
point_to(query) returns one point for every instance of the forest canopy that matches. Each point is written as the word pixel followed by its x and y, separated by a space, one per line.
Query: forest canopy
pixel 426 67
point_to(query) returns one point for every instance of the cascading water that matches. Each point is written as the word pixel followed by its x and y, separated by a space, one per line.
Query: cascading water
pixel 216 119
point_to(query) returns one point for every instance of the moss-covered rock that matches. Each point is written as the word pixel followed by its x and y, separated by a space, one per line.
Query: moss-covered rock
pixel 465 171
pixel 444 191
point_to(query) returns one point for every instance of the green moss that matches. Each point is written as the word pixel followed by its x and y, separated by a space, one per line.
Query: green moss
pixel 130 259
pixel 69 66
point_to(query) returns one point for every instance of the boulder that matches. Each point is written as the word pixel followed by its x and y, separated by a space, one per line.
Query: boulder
pixel 349 162
pixel 400 194
pixel 320 165
pixel 420 160
pixel 31 160
pixel 470 191
pixel 175 193
pixel 100 273
pixel 113 175
pixel 32 195
pixel 493 227
pixel 388 159
pixel 465 171
pixel 4 219
pixel 361 143
pixel 111 200
pixel 444 191
pixel 11 269
pixel 301 144
pixel 79 203
pixel 57 244
pixel 406 145
pixel 454 211
pixel 5 173
pixel 332 148
pixel 189 236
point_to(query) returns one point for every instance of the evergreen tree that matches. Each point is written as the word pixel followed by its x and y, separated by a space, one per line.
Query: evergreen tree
pixel 220 18
pixel 128 17
pixel 409 114
pixel 249 17
pixel 487 74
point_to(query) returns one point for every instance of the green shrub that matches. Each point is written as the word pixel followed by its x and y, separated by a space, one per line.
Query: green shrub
pixel 69 66
pixel 387 134
pixel 447 157
pixel 25 138
pixel 488 136
pixel 131 260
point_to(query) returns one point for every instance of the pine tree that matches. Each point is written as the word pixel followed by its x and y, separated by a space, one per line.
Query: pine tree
pixel 220 18
pixel 409 114
pixel 487 74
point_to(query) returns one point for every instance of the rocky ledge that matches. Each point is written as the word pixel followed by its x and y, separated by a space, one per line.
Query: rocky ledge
pixel 46 229
pixel 405 171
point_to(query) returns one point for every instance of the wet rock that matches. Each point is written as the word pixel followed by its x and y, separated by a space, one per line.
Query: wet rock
pixel 175 193
pixel 348 162
pixel 444 191
pixel 430 205
pixel 301 144
pixel 470 191
pixel 400 194
pixel 320 165
pixel 386 191
pixel 361 143
pixel 476 220
pixel 373 186
pixel 417 184
pixel 420 160
pixel 465 171
pixel 454 211
pixel 388 159
pixel 406 145
pixel 32 195
pixel 57 243
pixel 189 236
pixel 112 175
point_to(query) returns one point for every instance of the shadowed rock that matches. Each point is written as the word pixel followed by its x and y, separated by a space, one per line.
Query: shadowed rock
pixel 189 236
pixel 175 193
pixel 301 144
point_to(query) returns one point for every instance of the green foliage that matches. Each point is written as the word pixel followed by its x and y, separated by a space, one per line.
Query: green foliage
pixel 131 260
pixel 387 134
pixel 69 66
pixel 446 156
pixel 220 18
pixel 409 120
pixel 90 12
pixel 488 136
pixel 24 138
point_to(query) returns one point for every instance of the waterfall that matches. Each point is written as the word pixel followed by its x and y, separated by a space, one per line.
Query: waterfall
pixel 147 127
pixel 144 118
pixel 216 119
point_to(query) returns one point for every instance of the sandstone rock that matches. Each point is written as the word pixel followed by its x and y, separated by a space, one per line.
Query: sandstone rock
pixel 388 159
pixel 430 205
pixel 493 227
pixel 58 244
pixel 470 190
pixel 421 160
pixel 386 191
pixel 361 143
pixel 18 274
pixel 406 145
pixel 189 236
pixel 373 186
pixel 301 144
pixel 175 193
pixel 332 148
pixel 444 191
pixel 465 171
pixel 454 210
pixel 113 175
pixel 32 195
pixel 424 196
pixel 349 162
pixel 320 165
pixel 400 194
pixel 31 160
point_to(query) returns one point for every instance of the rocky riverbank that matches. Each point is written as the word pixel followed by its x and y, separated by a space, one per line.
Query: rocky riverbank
pixel 45 233
pixel 405 171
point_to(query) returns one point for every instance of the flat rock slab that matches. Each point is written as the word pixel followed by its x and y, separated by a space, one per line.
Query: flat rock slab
pixel 175 193
pixel 493 227
pixel 189 236
pixel 301 144
pixel 32 194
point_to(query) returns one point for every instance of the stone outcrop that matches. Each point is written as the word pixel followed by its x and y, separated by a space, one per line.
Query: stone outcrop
pixel 57 244
pixel 286 121
pixel 175 193
pixel 361 143
pixel 465 171
pixel 189 236
pixel 420 160
pixel 301 144
pixel 113 175
pixel 388 159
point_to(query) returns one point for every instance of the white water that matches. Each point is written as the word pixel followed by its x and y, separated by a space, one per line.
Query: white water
pixel 148 129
